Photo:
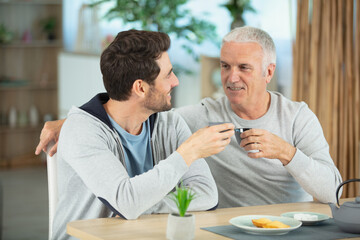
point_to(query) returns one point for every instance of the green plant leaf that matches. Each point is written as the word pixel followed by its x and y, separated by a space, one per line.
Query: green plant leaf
pixel 182 197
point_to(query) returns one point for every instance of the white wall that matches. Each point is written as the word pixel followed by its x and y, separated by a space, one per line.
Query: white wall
pixel 275 16
pixel 79 80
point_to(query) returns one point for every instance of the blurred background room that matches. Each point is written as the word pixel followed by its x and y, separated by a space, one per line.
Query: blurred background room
pixel 49 61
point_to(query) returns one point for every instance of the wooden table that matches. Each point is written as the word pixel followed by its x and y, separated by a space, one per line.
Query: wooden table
pixel 154 226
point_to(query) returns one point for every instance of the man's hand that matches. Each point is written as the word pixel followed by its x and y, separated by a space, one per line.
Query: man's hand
pixel 50 132
pixel 268 144
pixel 205 142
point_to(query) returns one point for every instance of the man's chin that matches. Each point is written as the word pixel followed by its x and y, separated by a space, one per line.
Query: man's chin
pixel 235 99
pixel 167 107
pixel 162 109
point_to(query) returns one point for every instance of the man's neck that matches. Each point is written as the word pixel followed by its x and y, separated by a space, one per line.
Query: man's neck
pixel 128 114
pixel 255 110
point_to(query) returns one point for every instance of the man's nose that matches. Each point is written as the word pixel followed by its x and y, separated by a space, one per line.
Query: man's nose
pixel 175 81
pixel 234 75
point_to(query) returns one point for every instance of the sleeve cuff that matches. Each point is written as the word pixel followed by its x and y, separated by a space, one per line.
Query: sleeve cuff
pixel 300 162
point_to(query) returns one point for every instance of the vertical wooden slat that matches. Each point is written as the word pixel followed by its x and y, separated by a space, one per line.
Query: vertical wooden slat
pixel 342 89
pixel 303 18
pixel 335 78
pixel 296 53
pixel 349 93
pixel 357 93
pixel 314 46
pixel 323 79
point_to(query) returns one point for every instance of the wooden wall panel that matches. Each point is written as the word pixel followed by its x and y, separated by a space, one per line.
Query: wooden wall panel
pixel 326 76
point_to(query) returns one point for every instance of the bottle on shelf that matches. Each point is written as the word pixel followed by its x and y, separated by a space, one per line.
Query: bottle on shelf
pixel 33 116
pixel 12 117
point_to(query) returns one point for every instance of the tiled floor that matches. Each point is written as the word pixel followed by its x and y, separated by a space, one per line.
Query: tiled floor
pixel 25 204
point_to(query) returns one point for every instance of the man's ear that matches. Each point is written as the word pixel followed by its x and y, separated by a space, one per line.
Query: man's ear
pixel 270 70
pixel 140 88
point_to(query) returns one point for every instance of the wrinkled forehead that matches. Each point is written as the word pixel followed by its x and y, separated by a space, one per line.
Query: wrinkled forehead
pixel 241 49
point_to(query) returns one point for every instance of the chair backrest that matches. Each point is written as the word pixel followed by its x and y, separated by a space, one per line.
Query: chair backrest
pixel 1 209
pixel 52 188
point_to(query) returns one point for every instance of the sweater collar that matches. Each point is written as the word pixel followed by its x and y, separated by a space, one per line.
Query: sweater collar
pixel 95 107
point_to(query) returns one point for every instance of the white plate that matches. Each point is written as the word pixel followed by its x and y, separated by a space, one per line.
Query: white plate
pixel 321 217
pixel 246 225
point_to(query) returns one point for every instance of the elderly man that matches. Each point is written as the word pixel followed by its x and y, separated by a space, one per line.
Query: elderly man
pixel 291 161
pixel 284 157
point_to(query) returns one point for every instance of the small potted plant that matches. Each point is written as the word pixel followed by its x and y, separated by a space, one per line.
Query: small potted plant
pixel 181 225
pixel 48 26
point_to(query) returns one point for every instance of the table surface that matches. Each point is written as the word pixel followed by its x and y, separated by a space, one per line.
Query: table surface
pixel 154 226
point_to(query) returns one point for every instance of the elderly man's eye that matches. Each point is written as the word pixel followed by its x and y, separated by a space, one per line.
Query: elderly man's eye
pixel 225 66
pixel 244 67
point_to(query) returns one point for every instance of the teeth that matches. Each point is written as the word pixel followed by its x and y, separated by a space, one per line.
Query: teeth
pixel 236 89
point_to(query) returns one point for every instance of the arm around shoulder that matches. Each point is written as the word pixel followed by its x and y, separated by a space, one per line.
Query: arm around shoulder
pixel 49 133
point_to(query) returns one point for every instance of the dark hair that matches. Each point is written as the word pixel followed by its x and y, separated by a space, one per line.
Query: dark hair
pixel 131 56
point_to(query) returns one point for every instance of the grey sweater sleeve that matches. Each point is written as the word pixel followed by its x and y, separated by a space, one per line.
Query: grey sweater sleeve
pixel 85 148
pixel 198 177
pixel 89 148
pixel 312 165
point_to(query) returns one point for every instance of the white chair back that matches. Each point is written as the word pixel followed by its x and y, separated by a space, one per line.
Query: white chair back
pixel 52 188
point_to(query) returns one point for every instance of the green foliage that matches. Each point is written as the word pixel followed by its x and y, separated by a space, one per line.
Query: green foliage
pixel 167 16
pixel 182 198
pixel 48 25
pixel 238 7
pixel 5 35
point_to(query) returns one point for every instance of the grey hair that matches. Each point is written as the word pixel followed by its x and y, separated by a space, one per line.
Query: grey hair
pixel 256 35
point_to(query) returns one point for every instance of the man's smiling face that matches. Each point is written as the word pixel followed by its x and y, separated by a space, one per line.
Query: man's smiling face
pixel 242 73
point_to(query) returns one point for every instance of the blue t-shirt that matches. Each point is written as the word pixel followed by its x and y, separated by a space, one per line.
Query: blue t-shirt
pixel 138 154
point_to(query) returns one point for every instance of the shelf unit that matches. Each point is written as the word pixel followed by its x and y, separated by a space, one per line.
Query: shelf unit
pixel 28 76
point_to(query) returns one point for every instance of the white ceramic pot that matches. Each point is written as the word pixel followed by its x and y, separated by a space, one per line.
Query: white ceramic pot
pixel 180 228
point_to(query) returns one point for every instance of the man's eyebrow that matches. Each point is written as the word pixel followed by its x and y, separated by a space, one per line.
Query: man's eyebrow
pixel 246 65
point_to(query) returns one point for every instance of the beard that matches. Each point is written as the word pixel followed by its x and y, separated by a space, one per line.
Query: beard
pixel 156 101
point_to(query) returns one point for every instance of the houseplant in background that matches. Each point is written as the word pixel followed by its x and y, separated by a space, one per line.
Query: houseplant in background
pixel 48 26
pixel 5 35
pixel 237 8
pixel 181 225
pixel 169 16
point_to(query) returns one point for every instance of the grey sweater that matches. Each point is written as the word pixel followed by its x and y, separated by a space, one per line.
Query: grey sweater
pixel 93 181
pixel 244 181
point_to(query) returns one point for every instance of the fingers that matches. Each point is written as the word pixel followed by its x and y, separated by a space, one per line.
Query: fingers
pixel 223 127
pixel 42 144
pixel 225 131
pixel 256 154
pixel 39 148
pixel 252 132
pixel 218 147
pixel 254 147
pixel 253 142
pixel 53 150
pixel 48 133
pixel 250 140
pixel 260 143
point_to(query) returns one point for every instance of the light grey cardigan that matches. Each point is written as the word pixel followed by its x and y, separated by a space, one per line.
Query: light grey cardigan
pixel 93 182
